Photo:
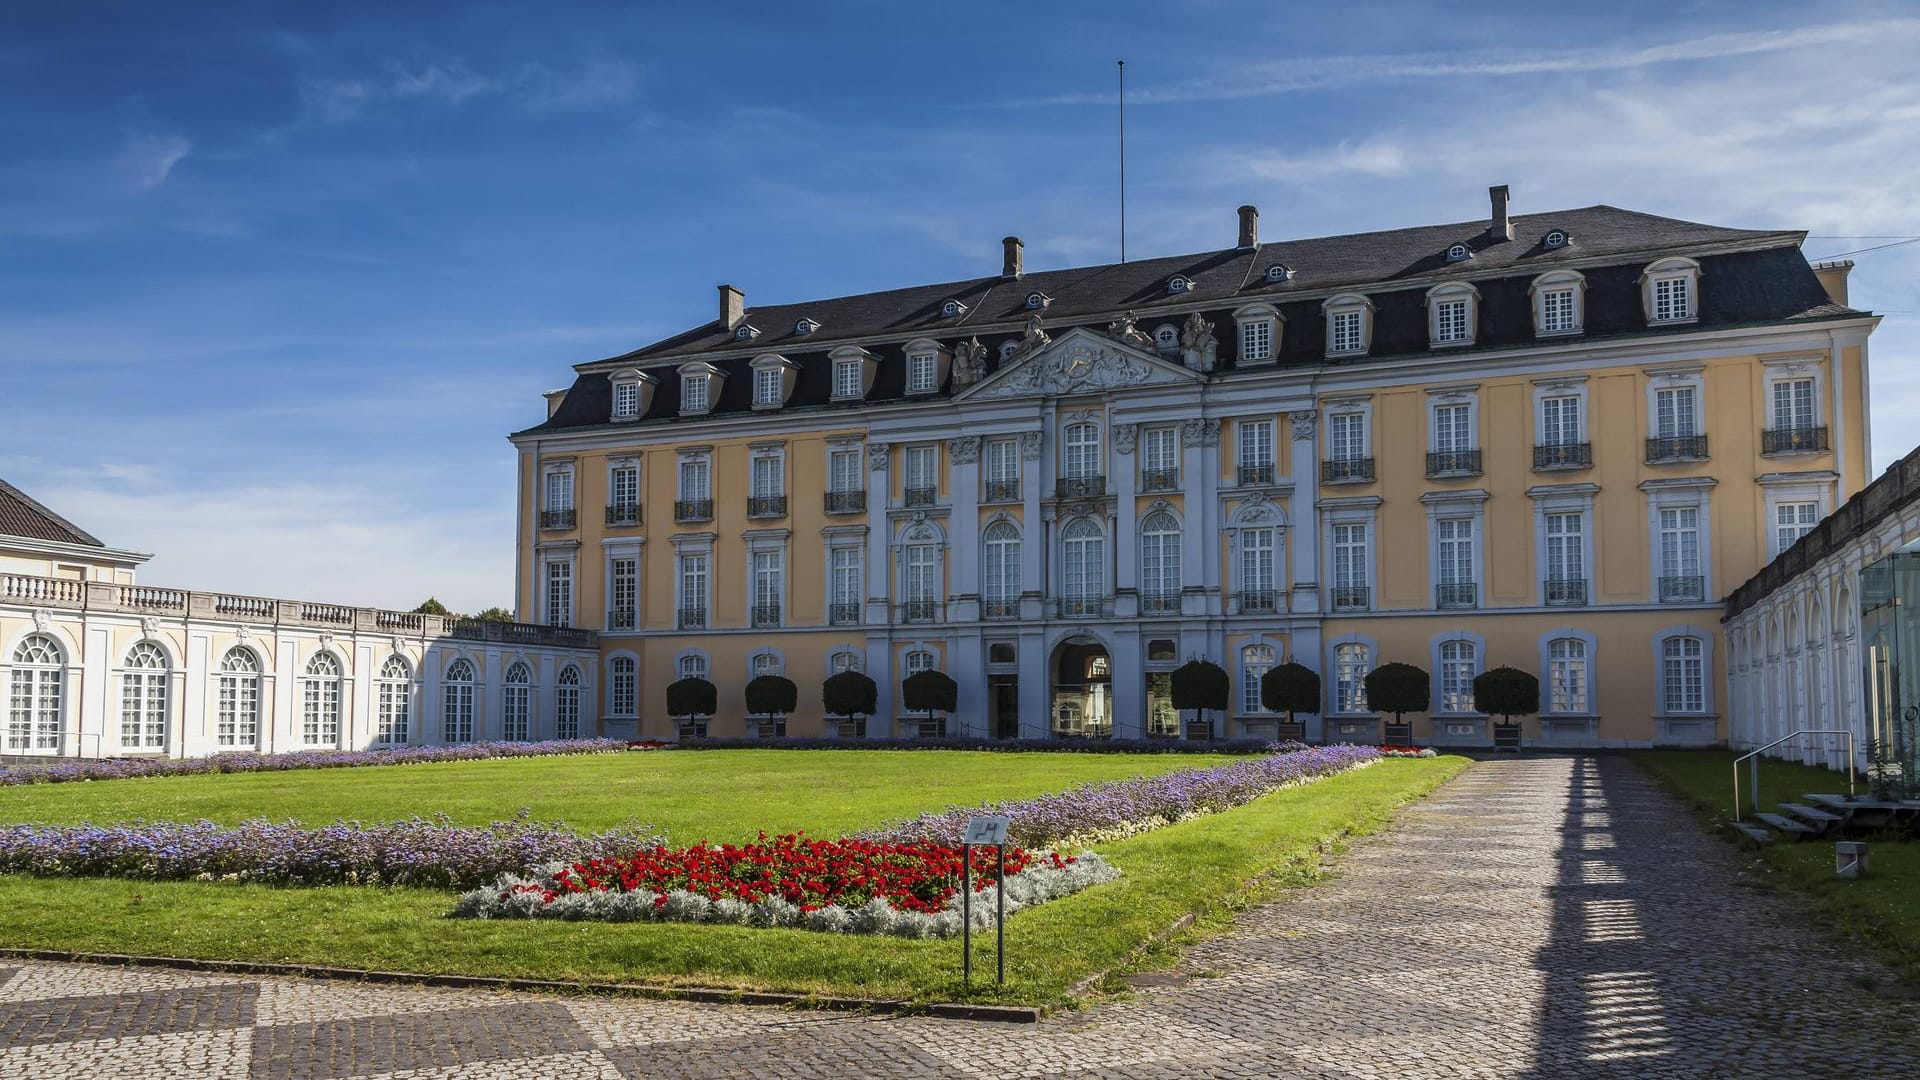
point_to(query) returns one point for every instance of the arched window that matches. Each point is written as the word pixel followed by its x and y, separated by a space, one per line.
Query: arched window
pixel 1159 564
pixel 566 703
pixel 320 701
pixel 1084 544
pixel 623 684
pixel 1255 662
pixel 36 692
pixel 693 666
pixel 1167 338
pixel 516 704
pixel 143 698
pixel 1083 451
pixel 1350 667
pixel 1007 349
pixel 844 660
pixel 393 699
pixel 1002 570
pixel 1683 675
pixel 764 663
pixel 456 711
pixel 1459 663
pixel 237 720
pixel 1567 676
pixel 919 660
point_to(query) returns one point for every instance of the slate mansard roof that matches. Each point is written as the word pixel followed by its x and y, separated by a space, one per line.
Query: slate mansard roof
pixel 1747 277
pixel 21 515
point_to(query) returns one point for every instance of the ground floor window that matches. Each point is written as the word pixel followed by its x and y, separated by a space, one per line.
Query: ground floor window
pixel 1163 720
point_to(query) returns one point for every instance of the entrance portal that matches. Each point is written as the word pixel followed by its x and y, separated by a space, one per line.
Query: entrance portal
pixel 1082 690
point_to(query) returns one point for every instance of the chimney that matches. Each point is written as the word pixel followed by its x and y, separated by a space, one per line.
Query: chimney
pixel 1013 258
pixel 1833 278
pixel 733 306
pixel 554 400
pixel 1249 226
pixel 1499 226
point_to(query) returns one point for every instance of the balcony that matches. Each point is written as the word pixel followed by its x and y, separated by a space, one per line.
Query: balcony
pixel 1003 491
pixel 1160 480
pixel 767 506
pixel 920 611
pixel 1084 605
pixel 1453 463
pixel 1683 589
pixel 767 615
pixel 999 609
pixel 920 496
pixel 688 510
pixel 1804 440
pixel 1160 602
pixel 843 614
pixel 1081 487
pixel 557 519
pixel 1676 448
pixel 693 618
pixel 623 514
pixel 1456 594
pixel 620 620
pixel 1565 592
pixel 846 502
pixel 1257 601
pixel 1350 597
pixel 1572 455
pixel 1346 470
pixel 1256 475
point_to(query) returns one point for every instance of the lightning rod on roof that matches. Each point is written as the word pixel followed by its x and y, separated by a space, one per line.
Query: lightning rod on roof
pixel 1122 64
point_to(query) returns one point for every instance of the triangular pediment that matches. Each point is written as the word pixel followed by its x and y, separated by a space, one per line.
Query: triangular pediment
pixel 1080 361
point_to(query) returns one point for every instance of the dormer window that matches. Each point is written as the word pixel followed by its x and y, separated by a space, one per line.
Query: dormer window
pixel 1557 238
pixel 1259 333
pixel 1669 291
pixel 853 369
pixel 695 393
pixel 1349 324
pixel 1007 348
pixel 1559 303
pixel 1179 283
pixel 1038 301
pixel 745 333
pixel 953 309
pixel 805 327
pixel 924 367
pixel 773 379
pixel 1278 273
pixel 1167 338
pixel 1459 253
pixel 1453 314
pixel 632 393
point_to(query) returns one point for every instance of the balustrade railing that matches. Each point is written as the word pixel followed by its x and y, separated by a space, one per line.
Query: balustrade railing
pixel 1079 487
pixel 623 514
pixel 1346 470
pixel 846 502
pixel 1257 601
pixel 1159 480
pixel 44 591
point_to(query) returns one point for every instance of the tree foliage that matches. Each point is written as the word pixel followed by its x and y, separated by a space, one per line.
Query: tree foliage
pixel 1201 684
pixel 692 697
pixel 1291 688
pixel 930 691
pixel 850 693
pixel 1506 692
pixel 433 606
pixel 770 694
pixel 1398 688
pixel 495 614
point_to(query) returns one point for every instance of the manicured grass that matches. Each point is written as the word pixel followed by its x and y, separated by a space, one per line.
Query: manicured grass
pixel 1202 866
pixel 690 794
pixel 1881 911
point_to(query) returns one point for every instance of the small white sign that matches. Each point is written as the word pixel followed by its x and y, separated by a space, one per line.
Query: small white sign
pixel 991 829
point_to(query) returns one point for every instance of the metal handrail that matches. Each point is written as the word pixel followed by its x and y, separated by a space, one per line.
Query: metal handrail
pixel 1753 756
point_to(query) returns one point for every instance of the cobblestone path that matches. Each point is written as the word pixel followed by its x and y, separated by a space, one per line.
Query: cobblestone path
pixel 1547 917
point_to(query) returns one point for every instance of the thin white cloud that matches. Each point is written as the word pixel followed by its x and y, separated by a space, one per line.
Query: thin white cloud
pixel 146 160
pixel 535 87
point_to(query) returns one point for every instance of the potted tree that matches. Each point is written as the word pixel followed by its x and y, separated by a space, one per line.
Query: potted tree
pixel 1291 688
pixel 850 694
pixel 1506 692
pixel 1399 689
pixel 692 702
pixel 772 697
pixel 929 692
pixel 1201 685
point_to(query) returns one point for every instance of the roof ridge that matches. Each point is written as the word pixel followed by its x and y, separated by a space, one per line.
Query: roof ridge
pixel 37 507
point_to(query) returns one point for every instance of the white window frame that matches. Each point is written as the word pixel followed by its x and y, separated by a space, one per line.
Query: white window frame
pixel 1353 703
pixel 848 381
pixel 623 472
pixel 1000 570
pixel 632 394
pixel 1662 691
pixel 854 575
pixel 1693 385
pixel 1559 281
pixel 393 701
pixel 923 372
pixel 1670 270
pixel 322 700
pixel 459 702
pixel 1590 660
pixel 1453 399
pixel 773 379
pixel 516 703
pixel 1444 297
pixel 1778 499
pixel 1689 494
pixel 1160 449
pixel 630 603
pixel 1253 545
pixel 568 687
pixel 1257 657
pixel 850 460
pixel 769 462
pixel 623 686
pixel 1081 455
pixel 1254 443
pixel 1793 369
pixel 1083 562
pixel 557 489
pixel 239 700
pixel 694 462
pixel 1158 566
pixel 1258 337
pixel 1560 388
pixel 1003 462
pixel 1336 307
pixel 767 563
pixel 1360 512
pixel 556 590
pixel 921 468
pixel 1338 417
pixel 682 563
pixel 37 692
pixel 145 678
pixel 1460 702
pixel 707 378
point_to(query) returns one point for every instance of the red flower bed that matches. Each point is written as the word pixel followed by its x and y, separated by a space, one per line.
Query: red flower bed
pixel 1399 751
pixel 919 877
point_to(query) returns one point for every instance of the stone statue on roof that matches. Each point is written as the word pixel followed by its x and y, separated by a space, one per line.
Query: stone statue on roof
pixel 1033 340
pixel 1198 347
pixel 969 363
pixel 1123 329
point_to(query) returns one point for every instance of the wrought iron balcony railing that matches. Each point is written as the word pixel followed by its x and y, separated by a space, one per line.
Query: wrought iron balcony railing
pixel 1572 455
pixel 844 614
pixel 999 609
pixel 1565 592
pixel 623 514
pixel 1682 588
pixel 767 506
pixel 1802 440
pixel 557 519
pixel 765 614
pixel 1160 480
pixel 1254 475
pixel 920 496
pixel 693 618
pixel 1084 605
pixel 846 502
pixel 620 620
pixel 1453 463
pixel 1075 487
pixel 1677 448
pixel 1346 470
pixel 1160 602
pixel 1350 597
pixel 685 510
pixel 1003 491
pixel 920 611
pixel 1258 601
pixel 1456 594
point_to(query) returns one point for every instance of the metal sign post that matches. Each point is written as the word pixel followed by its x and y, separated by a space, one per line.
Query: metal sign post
pixel 991 829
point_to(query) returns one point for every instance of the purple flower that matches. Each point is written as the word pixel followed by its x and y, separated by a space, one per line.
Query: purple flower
pixel 248 761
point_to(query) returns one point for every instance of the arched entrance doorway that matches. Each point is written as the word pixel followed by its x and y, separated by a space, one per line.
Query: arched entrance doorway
pixel 1082 705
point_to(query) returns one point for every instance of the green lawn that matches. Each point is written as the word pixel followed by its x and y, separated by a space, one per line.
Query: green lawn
pixel 690 794
pixel 1881 911
pixel 1203 866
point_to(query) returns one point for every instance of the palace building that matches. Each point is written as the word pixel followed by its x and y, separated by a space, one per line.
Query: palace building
pixel 1550 441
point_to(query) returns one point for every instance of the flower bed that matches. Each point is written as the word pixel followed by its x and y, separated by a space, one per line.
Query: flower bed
pixel 1005 746
pixel 838 886
pixel 248 761
pixel 1092 813
pixel 1405 751
pixel 434 854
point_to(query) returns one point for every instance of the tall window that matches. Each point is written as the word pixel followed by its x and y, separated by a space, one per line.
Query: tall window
pixel 626 400
pixel 1671 299
pixel 623 588
pixel 843 471
pixel 1255 662
pixel 847 378
pixel 1083 451
pixel 1459 663
pixel 143 698
pixel 693 394
pixel 1676 413
pixel 625 486
pixel 1344 332
pixel 516 705
pixel 923 573
pixel 1560 421
pixel 1256 339
pixel 921 462
pixel 1567 676
pixel 1346 436
pixel 394 701
pixel 923 373
pixel 36 691
pixel 769 386
pixel 1557 311
pixel 1791 520
pixel 1003 468
pixel 1160 450
pixel 566 703
pixel 1350 556
pixel 1793 404
pixel 1002 569
pixel 1254 450
pixel 623 686
pixel 559 593
pixel 1452 428
pixel 768 584
pixel 1450 321
pixel 1160 560
pixel 456 709
pixel 560 490
pixel 694 480
pixel 1256 567
pixel 1453 541
pixel 769 476
pixel 846 584
pixel 1566 547
pixel 237 722
pixel 693 582
pixel 1680 546
pixel 1683 675
pixel 1350 668
pixel 320 701
pixel 1085 548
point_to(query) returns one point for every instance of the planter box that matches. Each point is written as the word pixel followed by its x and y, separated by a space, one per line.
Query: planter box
pixel 1296 731
pixel 693 729
pixel 1506 737
pixel 1398 735
pixel 1199 730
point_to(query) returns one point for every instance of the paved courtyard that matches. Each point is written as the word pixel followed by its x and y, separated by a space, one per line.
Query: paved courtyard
pixel 1548 917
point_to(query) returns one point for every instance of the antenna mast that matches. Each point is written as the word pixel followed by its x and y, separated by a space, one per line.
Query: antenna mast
pixel 1123 159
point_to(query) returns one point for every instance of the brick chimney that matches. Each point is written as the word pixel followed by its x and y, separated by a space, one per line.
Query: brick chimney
pixel 733 306
pixel 1499 225
pixel 1249 226
pixel 1012 261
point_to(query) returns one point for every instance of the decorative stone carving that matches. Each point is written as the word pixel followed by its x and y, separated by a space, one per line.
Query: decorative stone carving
pixel 1079 366
pixel 1033 339
pixel 1029 444
pixel 42 618
pixel 1073 508
pixel 243 634
pixel 969 363
pixel 1198 347
pixel 1124 436
pixel 877 456
pixel 397 643
pixel 1123 329
pixel 149 626
pixel 1200 432
pixel 964 450
pixel 326 639
pixel 1303 423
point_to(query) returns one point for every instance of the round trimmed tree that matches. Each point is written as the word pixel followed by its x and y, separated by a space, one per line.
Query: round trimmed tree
pixel 850 693
pixel 930 692
pixel 771 695
pixel 1201 685
pixel 691 698
pixel 1398 689
pixel 1290 688
pixel 1506 692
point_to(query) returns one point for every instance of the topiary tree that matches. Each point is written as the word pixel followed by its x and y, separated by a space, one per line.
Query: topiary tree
pixel 1290 688
pixel 1398 689
pixel 850 693
pixel 1201 685
pixel 692 698
pixel 930 692
pixel 1506 692
pixel 768 695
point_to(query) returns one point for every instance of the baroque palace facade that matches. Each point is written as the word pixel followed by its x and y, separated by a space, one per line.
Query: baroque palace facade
pixel 1551 441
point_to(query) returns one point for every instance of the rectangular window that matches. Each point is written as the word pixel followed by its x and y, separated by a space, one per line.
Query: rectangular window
pixel 1793 404
pixel 1675 414
pixel 843 471
pixel 1350 667
pixel 623 587
pixel 1343 333
pixel 1350 556
pixel 923 370
pixel 693 480
pixel 768 579
pixel 1256 560
pixel 1791 521
pixel 1083 451
pixel 625 486
pixel 1452 428
pixel 769 476
pixel 1670 299
pixel 1347 436
pixel 847 377
pixel 923 573
pixel 626 399
pixel 1255 662
pixel 1161 450
pixel 1255 439
pixel 769 386
pixel 393 708
pixel 693 582
pixel 1566 547
pixel 1450 321
pixel 1003 461
pixel 846 576
pixel 1560 421
pixel 1556 312
pixel 1683 675
pixel 920 466
pixel 560 490
pixel 1454 542
pixel 1256 340
pixel 1680 542
pixel 1567 676
pixel 693 393
pixel 559 594
pixel 1459 663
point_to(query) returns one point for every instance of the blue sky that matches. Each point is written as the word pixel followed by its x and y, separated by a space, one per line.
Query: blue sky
pixel 275 280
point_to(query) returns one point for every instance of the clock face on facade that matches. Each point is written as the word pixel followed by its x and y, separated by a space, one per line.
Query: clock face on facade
pixel 1079 365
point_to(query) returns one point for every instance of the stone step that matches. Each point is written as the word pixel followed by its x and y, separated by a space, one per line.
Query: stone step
pixel 1809 814
pixel 1752 832
pixel 1784 824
